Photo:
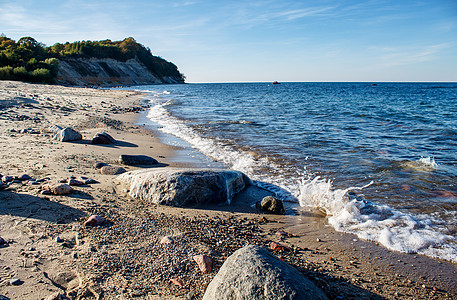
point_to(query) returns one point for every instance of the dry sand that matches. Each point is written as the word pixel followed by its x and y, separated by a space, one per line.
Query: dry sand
pixel 124 259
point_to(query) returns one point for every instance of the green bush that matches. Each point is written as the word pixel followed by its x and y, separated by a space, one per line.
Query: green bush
pixel 6 73
pixel 40 75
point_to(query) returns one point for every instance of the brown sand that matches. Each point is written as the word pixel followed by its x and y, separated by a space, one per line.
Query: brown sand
pixel 124 258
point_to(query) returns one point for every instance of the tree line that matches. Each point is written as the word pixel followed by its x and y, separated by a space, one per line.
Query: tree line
pixel 30 60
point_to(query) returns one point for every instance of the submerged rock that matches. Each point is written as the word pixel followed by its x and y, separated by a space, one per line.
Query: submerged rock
pixel 272 205
pixel 67 135
pixel 181 187
pixel 137 160
pixel 253 273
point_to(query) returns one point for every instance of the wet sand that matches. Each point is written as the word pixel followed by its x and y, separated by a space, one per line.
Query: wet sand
pixel 124 258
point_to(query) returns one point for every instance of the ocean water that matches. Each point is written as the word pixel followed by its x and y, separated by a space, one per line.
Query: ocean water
pixel 380 160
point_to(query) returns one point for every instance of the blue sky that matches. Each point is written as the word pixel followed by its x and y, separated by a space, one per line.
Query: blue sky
pixel 236 41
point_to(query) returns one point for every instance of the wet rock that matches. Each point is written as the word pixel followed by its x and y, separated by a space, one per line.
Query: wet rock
pixel 272 205
pixel 67 135
pixel 253 273
pixel 94 220
pixel 182 187
pixel 57 188
pixel 99 165
pixel 112 170
pixel 137 160
pixel 102 138
pixel 204 262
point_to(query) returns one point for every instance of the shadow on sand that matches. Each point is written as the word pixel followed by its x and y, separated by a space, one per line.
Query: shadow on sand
pixel 28 206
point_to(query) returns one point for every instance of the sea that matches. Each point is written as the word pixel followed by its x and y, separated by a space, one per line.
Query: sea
pixel 379 160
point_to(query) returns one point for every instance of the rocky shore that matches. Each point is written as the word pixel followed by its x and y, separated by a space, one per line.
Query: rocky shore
pixel 73 227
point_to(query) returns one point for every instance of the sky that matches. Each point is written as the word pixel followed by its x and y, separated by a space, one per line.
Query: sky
pixel 261 41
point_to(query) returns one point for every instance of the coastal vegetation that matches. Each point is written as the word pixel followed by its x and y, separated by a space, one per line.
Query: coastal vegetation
pixel 31 61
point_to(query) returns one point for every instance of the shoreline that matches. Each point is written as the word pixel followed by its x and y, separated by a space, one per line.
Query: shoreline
pixel 339 263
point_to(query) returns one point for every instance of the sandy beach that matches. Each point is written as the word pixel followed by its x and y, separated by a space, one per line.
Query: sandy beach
pixel 48 250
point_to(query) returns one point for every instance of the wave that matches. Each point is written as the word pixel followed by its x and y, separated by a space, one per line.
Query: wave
pixel 392 228
pixel 346 212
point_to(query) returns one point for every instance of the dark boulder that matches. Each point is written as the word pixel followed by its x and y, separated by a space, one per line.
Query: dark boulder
pixel 272 205
pixel 102 138
pixel 137 160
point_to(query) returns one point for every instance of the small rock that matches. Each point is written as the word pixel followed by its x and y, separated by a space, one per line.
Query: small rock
pixel 272 205
pixel 2 241
pixel 58 239
pixel 318 240
pixel 204 262
pixel 24 177
pixel 55 128
pixel 166 240
pixel 278 247
pixel 94 220
pixel 86 180
pixel 74 182
pixel 99 165
pixel 58 188
pixel 102 138
pixel 45 192
pixel 177 281
pixel 281 233
pixel 15 281
pixel 111 170
pixel 7 179
pixel 67 135
pixel 137 160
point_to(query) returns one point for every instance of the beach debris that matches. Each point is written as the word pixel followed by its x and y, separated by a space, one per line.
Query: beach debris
pixel 177 281
pixel 112 170
pixel 137 160
pixel 278 247
pixel 182 187
pixel 254 273
pixel 94 220
pixel 67 135
pixel 204 262
pixel 102 138
pixel 57 188
pixel 272 205
pixel 99 165
pixel 166 240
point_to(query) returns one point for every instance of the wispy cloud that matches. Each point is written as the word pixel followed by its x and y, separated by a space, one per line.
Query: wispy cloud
pixel 398 56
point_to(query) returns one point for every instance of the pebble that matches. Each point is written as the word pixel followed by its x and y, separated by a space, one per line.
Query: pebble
pixel 177 281
pixel 277 247
pixel 166 240
pixel 204 262
pixel 94 220
pixel 58 239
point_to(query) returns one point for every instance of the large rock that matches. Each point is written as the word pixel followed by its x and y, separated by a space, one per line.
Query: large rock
pixel 67 135
pixel 137 160
pixel 181 187
pixel 102 138
pixel 253 273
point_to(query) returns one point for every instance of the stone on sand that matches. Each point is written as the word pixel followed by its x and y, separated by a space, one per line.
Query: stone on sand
pixel 67 135
pixel 57 188
pixel 204 262
pixel 137 160
pixel 94 220
pixel 102 138
pixel 272 205
pixel 182 187
pixel 253 273
pixel 111 170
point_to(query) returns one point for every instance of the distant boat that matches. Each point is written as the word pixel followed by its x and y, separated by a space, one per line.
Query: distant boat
pixel 275 82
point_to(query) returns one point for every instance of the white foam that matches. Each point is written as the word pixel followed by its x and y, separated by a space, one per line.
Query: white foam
pixel 392 228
